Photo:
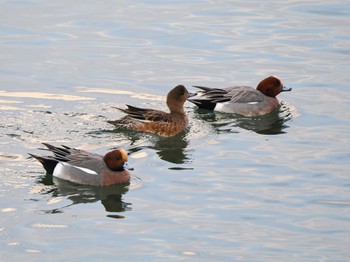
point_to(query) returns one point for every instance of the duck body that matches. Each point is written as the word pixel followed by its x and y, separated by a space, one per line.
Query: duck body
pixel 86 168
pixel 152 121
pixel 157 121
pixel 242 100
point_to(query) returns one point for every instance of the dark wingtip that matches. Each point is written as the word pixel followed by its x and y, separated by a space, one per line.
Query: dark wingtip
pixel 204 88
pixel 116 123
pixel 50 147
pixel 120 109
pixel 33 156
pixel 111 122
pixel 135 108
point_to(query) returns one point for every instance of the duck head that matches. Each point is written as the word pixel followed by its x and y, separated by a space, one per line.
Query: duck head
pixel 272 86
pixel 176 98
pixel 117 160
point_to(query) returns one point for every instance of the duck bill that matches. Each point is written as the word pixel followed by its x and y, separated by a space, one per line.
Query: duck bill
pixel 191 94
pixel 286 89
pixel 126 166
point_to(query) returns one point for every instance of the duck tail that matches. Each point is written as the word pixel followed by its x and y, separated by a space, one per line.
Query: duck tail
pixel 59 152
pixel 48 163
pixel 208 97
pixel 116 123
pixel 199 99
pixel 125 122
pixel 202 103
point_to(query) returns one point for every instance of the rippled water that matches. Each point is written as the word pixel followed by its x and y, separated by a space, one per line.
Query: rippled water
pixel 271 188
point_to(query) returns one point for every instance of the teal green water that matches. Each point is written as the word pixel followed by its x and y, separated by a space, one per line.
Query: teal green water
pixel 272 188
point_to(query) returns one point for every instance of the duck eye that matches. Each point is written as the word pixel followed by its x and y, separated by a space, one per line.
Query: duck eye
pixel 276 83
pixel 182 91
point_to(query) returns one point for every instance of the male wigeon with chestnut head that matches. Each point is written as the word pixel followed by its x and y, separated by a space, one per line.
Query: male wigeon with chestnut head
pixel 86 168
pixel 242 100
pixel 156 121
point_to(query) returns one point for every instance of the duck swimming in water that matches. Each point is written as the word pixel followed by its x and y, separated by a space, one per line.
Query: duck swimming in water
pixel 242 100
pixel 86 168
pixel 156 121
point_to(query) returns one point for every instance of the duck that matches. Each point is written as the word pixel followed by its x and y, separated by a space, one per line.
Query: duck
pixel 242 100
pixel 157 121
pixel 82 167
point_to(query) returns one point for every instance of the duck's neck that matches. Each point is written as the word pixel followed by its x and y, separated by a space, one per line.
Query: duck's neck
pixel 176 109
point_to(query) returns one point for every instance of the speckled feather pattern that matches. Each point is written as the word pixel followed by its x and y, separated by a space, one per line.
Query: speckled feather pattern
pixel 166 124
pixel 156 121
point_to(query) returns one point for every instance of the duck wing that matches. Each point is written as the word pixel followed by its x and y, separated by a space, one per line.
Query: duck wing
pixel 214 95
pixel 244 94
pixel 235 94
pixel 146 114
pixel 76 157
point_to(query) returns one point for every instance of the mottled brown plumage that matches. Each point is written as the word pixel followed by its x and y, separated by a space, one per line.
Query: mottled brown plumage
pixel 156 121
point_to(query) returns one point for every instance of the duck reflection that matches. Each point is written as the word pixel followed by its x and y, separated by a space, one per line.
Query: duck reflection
pixel 271 124
pixel 171 149
pixel 110 196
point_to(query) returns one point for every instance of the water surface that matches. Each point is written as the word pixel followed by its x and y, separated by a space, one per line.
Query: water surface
pixel 272 188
